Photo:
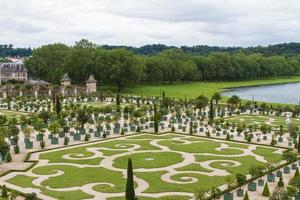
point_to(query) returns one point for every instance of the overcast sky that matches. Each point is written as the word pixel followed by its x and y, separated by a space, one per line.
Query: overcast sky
pixel 139 22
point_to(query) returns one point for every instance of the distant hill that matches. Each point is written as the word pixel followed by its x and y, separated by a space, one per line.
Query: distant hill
pixel 284 49
pixel 9 50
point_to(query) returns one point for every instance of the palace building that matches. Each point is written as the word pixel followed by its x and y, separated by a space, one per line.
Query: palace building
pixel 14 70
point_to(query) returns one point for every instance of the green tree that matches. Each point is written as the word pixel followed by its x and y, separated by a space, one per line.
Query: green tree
pixel 57 106
pixel 217 97
pixel 246 197
pixel 130 194
pixel 266 191
pixel 155 119
pixel 201 102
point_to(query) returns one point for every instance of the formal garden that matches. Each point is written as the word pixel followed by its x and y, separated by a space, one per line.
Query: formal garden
pixel 164 165
pixel 80 147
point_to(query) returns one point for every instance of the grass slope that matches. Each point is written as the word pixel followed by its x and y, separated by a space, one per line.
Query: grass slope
pixel 194 89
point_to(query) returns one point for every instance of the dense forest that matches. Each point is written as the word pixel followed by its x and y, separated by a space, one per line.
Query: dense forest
pixel 9 50
pixel 285 49
pixel 120 66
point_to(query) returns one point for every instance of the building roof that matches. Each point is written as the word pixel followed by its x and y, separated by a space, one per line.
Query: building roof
pixel 13 68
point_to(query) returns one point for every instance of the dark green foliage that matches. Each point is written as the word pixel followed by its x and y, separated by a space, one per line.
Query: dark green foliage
pixel 31 196
pixel 122 131
pixel 298 146
pixel 9 50
pixel 228 136
pixel 297 172
pixel 211 112
pixel 118 99
pixel 266 191
pixel 280 182
pixel 57 106
pixel 42 144
pixel 130 194
pixel 8 157
pixel 4 193
pixel 241 179
pixel 86 137
pixel 66 141
pixel 16 149
pixel 155 118
pixel 121 67
pixel 246 197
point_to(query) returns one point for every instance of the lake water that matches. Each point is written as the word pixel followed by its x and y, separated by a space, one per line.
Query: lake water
pixel 282 93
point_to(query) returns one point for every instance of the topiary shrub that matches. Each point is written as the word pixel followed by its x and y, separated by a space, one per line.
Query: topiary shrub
pixel 173 129
pixel 16 149
pixel 246 197
pixel 42 144
pixel 280 182
pixel 266 191
pixel 86 137
pixel 297 172
pixel 122 131
pixel 66 141
pixel 227 136
pixel 8 157
pixel 4 193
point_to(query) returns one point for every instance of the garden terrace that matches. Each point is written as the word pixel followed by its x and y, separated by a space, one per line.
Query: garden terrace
pixel 166 165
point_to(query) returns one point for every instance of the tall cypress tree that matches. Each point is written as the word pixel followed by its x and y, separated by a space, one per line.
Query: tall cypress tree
pixel 118 99
pixel 211 112
pixel 298 148
pixel 155 119
pixel 57 106
pixel 130 194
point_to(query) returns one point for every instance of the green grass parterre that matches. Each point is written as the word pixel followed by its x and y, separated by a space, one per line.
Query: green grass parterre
pixel 146 155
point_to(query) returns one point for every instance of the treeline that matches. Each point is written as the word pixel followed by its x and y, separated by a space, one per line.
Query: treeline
pixel 122 66
pixel 9 50
pixel 285 49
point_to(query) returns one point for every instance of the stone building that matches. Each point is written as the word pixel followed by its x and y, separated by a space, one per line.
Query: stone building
pixel 14 70
pixel 65 81
pixel 91 85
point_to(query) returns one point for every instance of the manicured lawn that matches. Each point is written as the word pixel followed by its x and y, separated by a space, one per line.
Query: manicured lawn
pixel 252 120
pixel 72 169
pixel 194 89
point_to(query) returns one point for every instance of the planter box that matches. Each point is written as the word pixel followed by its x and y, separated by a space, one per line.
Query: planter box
pixel 151 125
pixel 240 193
pixel 54 140
pixel 50 136
pixel 258 139
pixel 261 182
pixel 252 186
pixel 280 139
pixel 39 137
pixel 279 173
pixel 271 177
pixel 97 134
pixel 61 135
pixel 82 131
pixel 71 133
pixel 116 130
pixel 132 128
pixel 77 137
pixel 228 196
pixel 201 130
pixel 28 145
pixel 107 132
pixel 91 130
pixel 265 137
pixel 218 134
pixel 286 170
pixel 294 166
